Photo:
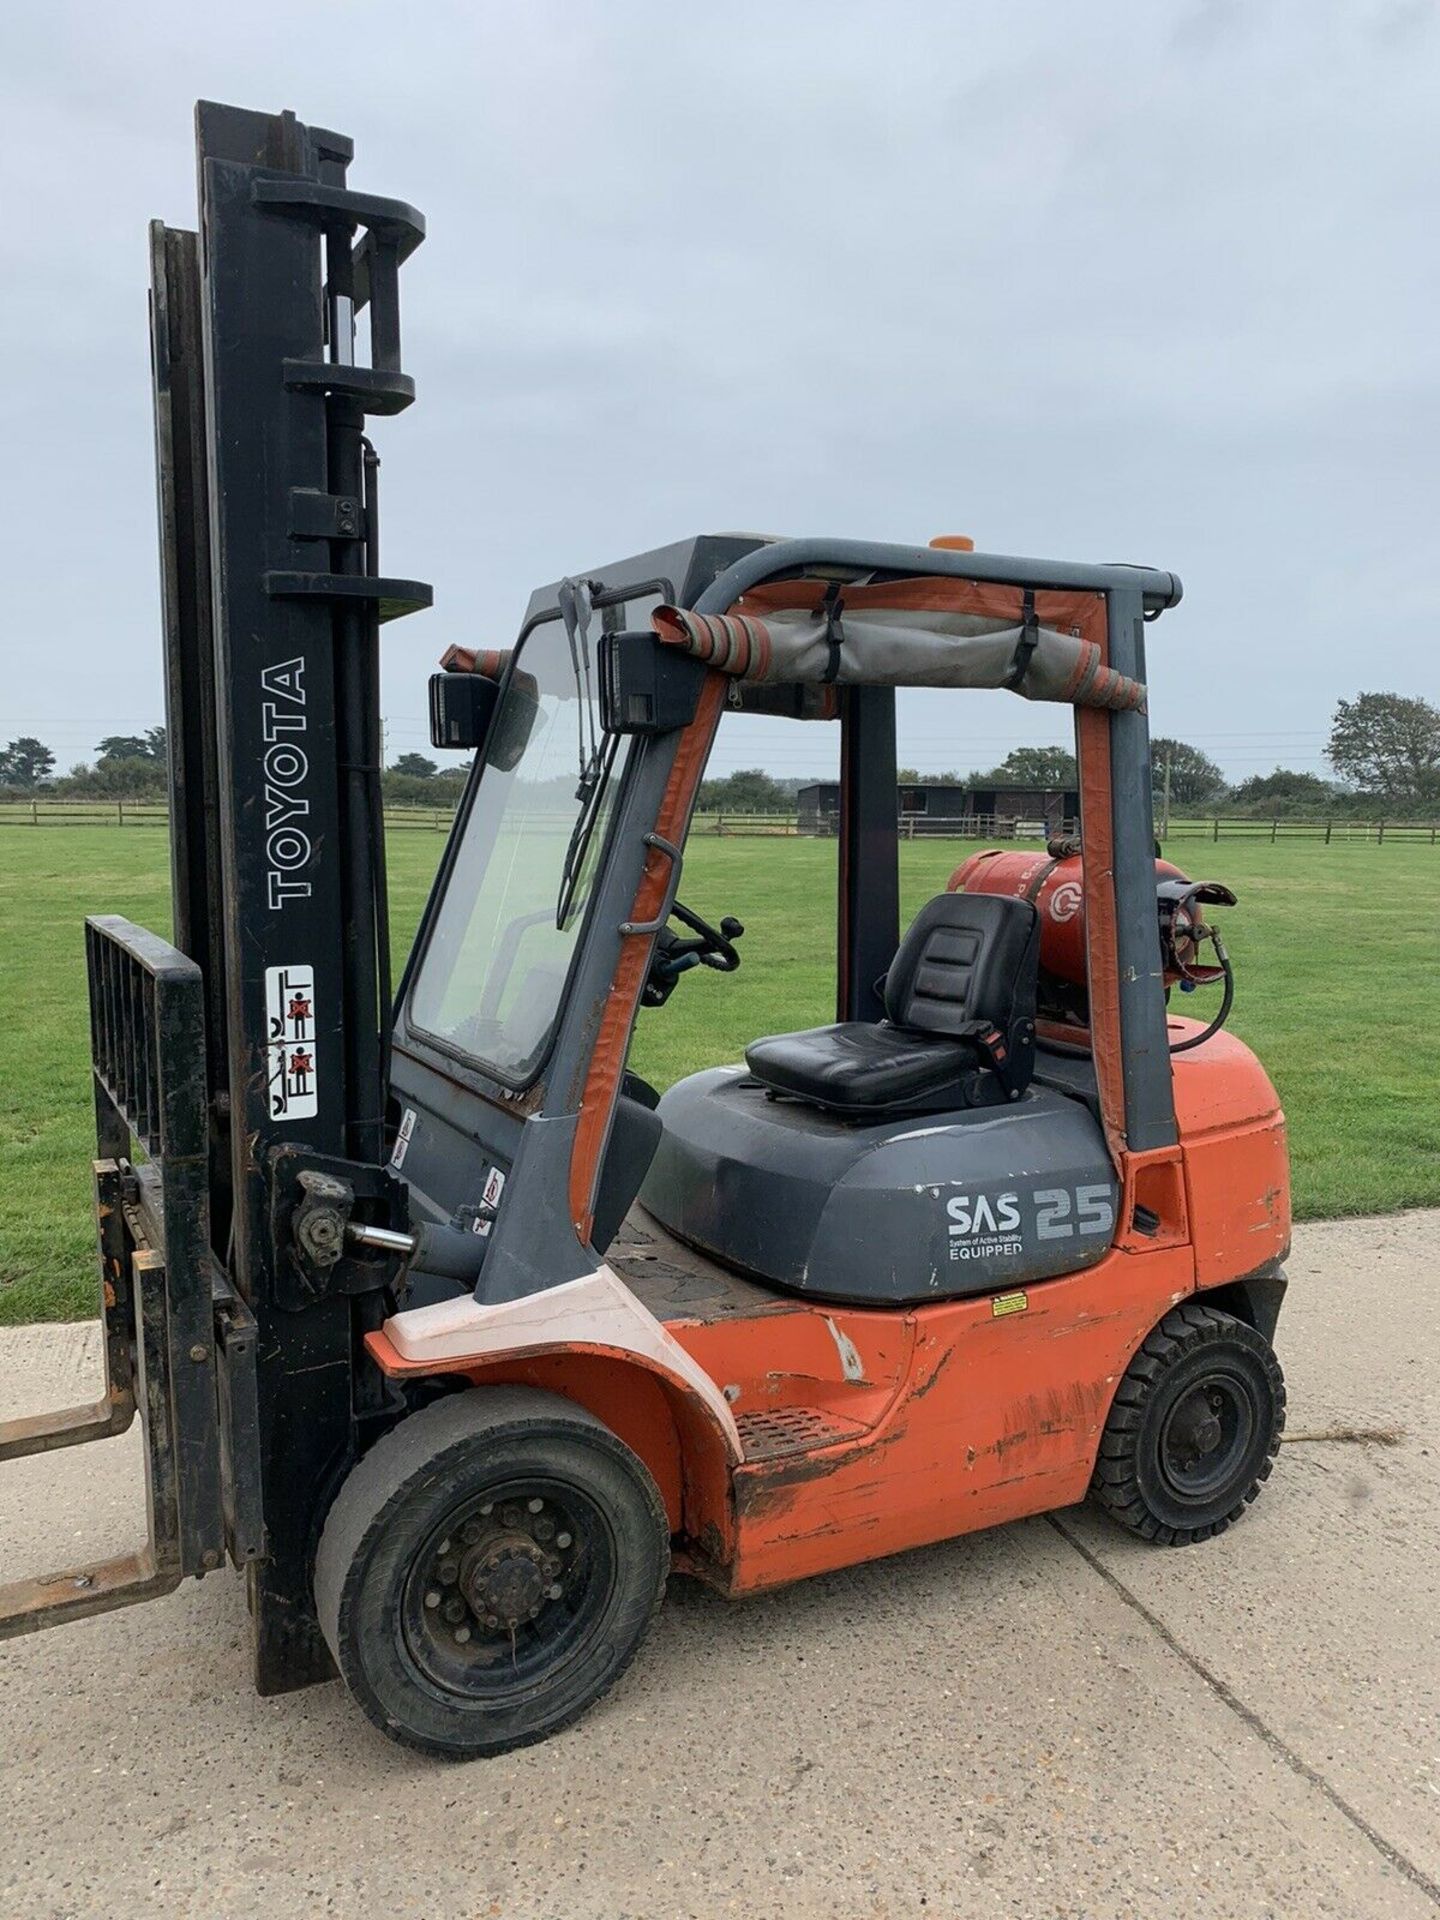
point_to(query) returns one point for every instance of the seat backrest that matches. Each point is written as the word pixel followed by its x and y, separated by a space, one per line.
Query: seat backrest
pixel 967 956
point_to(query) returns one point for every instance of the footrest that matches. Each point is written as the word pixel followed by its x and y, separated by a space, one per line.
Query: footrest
pixel 778 1431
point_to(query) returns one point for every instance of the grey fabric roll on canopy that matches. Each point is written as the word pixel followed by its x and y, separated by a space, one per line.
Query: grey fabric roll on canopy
pixel 901 647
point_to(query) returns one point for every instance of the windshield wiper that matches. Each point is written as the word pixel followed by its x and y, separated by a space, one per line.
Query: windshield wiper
pixel 576 608
pixel 590 794
pixel 597 751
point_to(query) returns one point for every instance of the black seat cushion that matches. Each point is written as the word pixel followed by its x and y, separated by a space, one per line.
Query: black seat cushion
pixel 861 1065
pixel 967 967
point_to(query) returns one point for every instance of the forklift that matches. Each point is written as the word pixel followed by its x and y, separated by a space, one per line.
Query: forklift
pixel 439 1322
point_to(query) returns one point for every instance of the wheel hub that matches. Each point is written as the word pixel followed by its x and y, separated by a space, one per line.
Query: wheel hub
pixel 1205 1435
pixel 1197 1426
pixel 494 1573
pixel 505 1580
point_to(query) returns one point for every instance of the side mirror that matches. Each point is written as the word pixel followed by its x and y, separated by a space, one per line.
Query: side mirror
pixel 510 736
pixel 462 705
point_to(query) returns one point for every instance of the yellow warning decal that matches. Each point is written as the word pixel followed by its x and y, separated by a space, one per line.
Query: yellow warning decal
pixel 1004 1303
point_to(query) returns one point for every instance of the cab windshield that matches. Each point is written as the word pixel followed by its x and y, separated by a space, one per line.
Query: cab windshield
pixel 490 980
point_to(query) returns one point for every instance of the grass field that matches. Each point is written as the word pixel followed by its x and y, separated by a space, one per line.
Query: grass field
pixel 1335 948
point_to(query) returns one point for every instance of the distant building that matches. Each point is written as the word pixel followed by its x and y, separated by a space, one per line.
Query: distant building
pixel 943 804
pixel 817 808
pixel 1010 809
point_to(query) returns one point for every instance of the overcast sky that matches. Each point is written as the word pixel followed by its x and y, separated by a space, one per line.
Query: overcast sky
pixel 1153 280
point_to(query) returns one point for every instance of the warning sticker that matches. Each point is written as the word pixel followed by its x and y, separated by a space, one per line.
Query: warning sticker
pixel 290 1042
pixel 402 1138
pixel 494 1187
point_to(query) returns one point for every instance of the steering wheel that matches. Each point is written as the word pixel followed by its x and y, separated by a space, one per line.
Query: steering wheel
pixel 674 954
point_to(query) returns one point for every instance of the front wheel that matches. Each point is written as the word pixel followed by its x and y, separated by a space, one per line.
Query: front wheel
pixel 489 1569
pixel 1193 1429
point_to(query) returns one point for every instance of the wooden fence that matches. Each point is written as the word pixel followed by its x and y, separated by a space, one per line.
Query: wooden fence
pixel 1374 833
pixel 155 813
pixel 84 813
pixel 783 825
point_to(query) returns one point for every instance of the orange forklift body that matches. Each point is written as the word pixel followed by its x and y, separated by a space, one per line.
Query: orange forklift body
pixel 864 1432
pixel 867 1432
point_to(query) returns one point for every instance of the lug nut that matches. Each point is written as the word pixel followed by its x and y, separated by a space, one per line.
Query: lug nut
pixel 488 1508
pixel 454 1611
pixel 562 1539
pixel 536 1506
pixel 432 1599
pixel 544 1529
pixel 448 1570
pixel 462 1634
pixel 554 1590
pixel 511 1516
pixel 470 1533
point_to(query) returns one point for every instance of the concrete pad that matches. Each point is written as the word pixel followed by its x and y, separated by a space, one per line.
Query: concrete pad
pixel 1322 1615
pixel 1049 1724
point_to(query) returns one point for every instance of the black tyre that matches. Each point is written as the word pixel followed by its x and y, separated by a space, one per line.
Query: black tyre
pixel 1193 1429
pixel 489 1569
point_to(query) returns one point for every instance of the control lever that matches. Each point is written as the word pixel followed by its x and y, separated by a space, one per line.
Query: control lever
pixel 718 950
pixel 712 947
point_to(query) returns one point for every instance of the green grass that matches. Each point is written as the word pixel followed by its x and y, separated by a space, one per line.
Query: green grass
pixel 1335 949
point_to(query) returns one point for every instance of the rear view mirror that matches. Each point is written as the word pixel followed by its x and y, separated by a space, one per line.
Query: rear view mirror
pixel 462 706
pixel 516 723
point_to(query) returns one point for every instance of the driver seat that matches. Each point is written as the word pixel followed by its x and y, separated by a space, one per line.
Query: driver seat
pixel 959 1026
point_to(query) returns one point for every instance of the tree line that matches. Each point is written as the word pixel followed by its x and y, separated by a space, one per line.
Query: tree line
pixel 135 766
pixel 1384 749
pixel 128 766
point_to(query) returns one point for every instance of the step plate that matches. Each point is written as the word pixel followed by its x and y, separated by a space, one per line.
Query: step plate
pixel 778 1431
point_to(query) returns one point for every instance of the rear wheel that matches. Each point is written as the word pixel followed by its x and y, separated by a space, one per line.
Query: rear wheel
pixel 1193 1430
pixel 489 1569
